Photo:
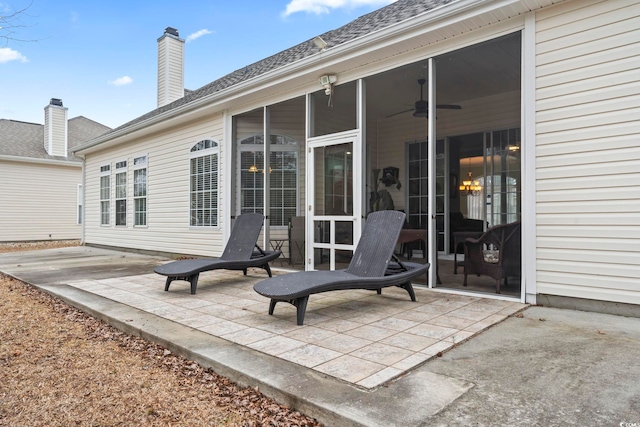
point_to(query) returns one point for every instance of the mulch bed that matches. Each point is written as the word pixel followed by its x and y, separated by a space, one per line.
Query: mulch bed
pixel 60 367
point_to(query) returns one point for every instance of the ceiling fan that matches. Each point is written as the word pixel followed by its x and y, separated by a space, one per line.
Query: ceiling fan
pixel 421 107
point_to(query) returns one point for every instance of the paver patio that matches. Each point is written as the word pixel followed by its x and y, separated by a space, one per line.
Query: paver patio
pixel 356 336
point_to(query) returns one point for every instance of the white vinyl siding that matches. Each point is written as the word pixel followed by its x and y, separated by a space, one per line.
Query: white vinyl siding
pixel 55 130
pixel 168 201
pixel 588 154
pixel 44 208
pixel 170 70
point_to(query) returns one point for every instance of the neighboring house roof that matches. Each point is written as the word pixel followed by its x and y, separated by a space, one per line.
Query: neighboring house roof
pixel 384 17
pixel 22 139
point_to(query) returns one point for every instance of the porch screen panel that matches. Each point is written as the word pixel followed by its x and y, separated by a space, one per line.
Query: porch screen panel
pixel 251 182
pixel 284 182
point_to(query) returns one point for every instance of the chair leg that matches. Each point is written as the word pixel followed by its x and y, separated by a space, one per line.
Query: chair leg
pixel 409 288
pixel 272 305
pixel 168 282
pixel 266 267
pixel 464 283
pixel 498 286
pixel 244 271
pixel 194 283
pixel 301 308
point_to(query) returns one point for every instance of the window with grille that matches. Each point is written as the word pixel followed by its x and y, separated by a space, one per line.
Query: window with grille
pixel 283 172
pixel 204 184
pixel 140 190
pixel 121 193
pixel 79 198
pixel 105 194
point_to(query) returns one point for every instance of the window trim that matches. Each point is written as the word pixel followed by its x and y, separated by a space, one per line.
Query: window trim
pixel 105 171
pixel 202 148
pixel 121 168
pixel 135 168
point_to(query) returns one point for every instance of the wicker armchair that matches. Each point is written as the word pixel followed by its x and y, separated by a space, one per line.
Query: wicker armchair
pixel 496 254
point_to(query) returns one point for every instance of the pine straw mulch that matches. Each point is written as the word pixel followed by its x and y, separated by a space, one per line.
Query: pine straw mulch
pixel 61 367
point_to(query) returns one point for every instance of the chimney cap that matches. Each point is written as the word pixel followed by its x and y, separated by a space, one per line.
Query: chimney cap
pixel 172 31
pixel 56 101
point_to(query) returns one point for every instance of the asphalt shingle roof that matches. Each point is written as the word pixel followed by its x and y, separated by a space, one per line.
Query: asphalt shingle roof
pixel 384 17
pixel 24 139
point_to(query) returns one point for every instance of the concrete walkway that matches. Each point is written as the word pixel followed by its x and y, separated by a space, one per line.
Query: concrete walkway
pixel 364 359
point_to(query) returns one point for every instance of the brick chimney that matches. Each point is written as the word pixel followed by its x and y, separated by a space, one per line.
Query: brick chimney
pixel 170 67
pixel 55 128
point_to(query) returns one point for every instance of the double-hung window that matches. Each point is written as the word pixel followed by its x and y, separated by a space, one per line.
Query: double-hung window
pixel 121 193
pixel 283 177
pixel 105 194
pixel 204 181
pixel 140 190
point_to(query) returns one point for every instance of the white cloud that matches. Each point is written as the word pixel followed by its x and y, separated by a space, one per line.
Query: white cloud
pixel 121 81
pixel 324 6
pixel 198 34
pixel 7 54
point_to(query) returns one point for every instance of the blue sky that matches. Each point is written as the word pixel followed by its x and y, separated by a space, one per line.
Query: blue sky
pixel 100 57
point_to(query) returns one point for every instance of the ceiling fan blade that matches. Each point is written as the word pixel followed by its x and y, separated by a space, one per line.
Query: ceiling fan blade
pixel 449 107
pixel 398 113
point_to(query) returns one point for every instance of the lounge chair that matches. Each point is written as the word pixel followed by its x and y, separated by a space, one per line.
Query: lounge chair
pixel 239 254
pixel 371 268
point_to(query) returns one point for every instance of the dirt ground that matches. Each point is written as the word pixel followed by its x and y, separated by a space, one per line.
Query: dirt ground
pixel 62 367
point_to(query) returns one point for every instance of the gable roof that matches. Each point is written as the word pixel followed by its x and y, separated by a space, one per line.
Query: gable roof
pixel 23 139
pixel 377 20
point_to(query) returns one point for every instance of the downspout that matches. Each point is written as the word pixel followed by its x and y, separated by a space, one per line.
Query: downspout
pixel 84 203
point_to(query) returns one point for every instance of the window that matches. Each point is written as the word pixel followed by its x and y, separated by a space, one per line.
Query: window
pixel 121 193
pixel 283 170
pixel 105 194
pixel 204 184
pixel 79 197
pixel 140 190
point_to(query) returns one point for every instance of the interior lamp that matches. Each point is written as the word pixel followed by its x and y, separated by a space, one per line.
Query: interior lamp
pixel 470 186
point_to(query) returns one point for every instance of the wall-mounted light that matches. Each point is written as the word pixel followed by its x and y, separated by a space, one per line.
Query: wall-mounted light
pixel 327 82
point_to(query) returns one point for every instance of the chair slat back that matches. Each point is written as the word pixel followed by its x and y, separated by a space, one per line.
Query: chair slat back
pixel 243 237
pixel 376 245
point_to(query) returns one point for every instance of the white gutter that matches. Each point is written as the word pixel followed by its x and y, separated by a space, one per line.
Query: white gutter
pixel 461 8
pixel 20 159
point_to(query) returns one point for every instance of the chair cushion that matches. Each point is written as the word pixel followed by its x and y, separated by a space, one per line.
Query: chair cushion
pixel 491 256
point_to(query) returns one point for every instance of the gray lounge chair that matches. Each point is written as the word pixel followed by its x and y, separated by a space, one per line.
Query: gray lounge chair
pixel 371 268
pixel 239 254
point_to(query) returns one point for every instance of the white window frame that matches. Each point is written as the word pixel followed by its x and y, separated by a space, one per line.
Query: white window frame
pixel 140 163
pixel 105 203
pixel 120 170
pixel 79 202
pixel 197 212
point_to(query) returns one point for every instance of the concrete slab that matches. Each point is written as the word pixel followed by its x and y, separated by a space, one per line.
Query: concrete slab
pixel 323 397
pixel 546 367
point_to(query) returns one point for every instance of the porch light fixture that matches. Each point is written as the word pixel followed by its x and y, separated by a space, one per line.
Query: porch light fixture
pixel 470 186
pixel 254 169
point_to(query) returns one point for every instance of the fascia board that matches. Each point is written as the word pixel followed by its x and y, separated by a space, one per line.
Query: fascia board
pixel 19 159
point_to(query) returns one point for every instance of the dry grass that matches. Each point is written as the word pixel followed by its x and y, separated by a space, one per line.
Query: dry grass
pixel 61 367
